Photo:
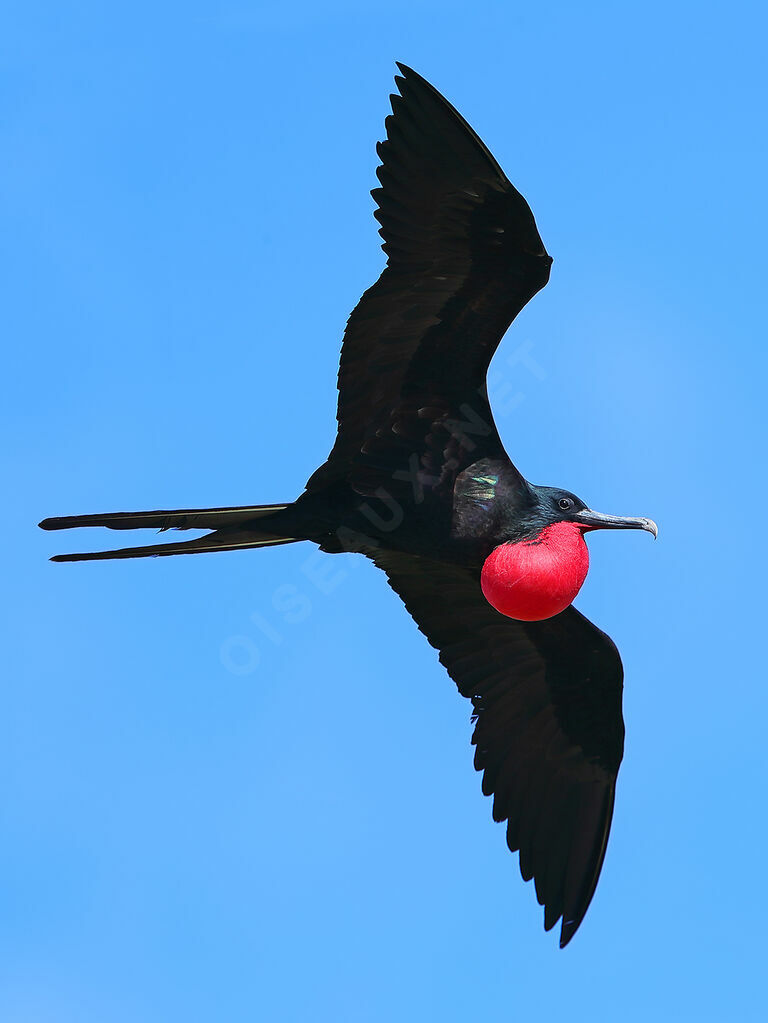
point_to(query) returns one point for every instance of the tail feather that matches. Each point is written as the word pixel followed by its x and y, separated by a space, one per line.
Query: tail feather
pixel 196 518
pixel 218 541
pixel 233 529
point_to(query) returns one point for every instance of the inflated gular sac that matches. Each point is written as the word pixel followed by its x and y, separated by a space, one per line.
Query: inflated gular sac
pixel 535 579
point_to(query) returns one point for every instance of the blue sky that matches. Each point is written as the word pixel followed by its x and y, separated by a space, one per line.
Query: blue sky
pixel 214 811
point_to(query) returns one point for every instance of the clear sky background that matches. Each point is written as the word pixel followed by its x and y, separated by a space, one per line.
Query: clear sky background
pixel 212 811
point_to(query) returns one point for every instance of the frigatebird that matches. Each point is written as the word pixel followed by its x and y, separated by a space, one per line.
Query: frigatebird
pixel 487 563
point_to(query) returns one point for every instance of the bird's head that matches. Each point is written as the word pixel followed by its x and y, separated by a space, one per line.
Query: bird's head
pixel 538 572
pixel 551 505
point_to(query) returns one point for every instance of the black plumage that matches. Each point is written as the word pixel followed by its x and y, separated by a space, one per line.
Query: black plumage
pixel 419 482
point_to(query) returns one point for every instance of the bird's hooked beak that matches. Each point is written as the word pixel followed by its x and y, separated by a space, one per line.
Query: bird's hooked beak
pixel 597 520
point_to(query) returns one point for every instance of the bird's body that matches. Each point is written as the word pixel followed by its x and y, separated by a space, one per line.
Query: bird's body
pixel 419 482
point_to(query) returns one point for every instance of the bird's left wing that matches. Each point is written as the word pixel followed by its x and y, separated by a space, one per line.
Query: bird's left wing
pixel 464 257
pixel 549 733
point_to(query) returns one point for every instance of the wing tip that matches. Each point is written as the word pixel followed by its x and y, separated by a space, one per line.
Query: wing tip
pixel 568 929
pixel 407 74
pixel 412 79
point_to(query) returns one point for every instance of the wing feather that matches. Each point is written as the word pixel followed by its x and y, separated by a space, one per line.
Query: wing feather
pixel 464 257
pixel 548 731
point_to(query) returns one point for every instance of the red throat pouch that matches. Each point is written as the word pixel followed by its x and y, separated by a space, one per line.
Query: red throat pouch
pixel 535 579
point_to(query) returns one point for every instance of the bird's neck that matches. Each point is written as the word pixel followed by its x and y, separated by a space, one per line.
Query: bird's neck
pixel 538 577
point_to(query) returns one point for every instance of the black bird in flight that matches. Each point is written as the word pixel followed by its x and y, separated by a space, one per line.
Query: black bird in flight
pixel 418 481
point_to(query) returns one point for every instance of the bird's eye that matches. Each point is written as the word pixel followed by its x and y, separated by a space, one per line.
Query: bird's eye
pixel 565 503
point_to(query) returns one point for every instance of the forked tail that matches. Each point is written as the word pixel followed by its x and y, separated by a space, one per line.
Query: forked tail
pixel 234 529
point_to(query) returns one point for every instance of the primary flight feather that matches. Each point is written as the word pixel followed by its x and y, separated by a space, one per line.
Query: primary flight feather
pixel 418 481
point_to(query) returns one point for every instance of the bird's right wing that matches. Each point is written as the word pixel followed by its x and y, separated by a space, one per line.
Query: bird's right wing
pixel 549 733
pixel 464 257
